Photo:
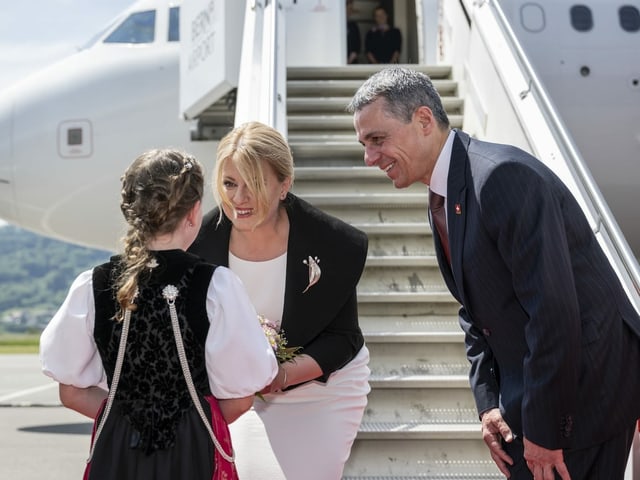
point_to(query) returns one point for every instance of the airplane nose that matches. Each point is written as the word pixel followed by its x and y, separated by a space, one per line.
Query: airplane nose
pixel 7 187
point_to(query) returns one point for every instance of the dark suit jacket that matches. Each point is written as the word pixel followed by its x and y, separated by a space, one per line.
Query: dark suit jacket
pixel 550 333
pixel 324 320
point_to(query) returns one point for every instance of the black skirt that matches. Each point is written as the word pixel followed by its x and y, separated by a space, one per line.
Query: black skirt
pixel 191 457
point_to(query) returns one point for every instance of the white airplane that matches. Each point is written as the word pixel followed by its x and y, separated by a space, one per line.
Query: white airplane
pixel 67 132
pixel 587 54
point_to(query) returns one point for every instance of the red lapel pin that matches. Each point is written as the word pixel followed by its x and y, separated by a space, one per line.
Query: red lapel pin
pixel 458 209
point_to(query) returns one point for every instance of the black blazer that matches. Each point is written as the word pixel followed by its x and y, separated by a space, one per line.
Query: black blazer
pixel 550 333
pixel 324 320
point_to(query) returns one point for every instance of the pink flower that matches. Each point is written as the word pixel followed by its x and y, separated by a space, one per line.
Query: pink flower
pixel 277 340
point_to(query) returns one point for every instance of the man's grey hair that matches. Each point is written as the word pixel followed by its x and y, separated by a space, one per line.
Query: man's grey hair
pixel 404 90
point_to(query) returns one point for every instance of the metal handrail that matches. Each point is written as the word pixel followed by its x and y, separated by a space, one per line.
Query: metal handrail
pixel 262 80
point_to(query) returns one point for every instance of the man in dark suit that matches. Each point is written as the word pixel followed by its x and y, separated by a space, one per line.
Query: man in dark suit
pixel 551 336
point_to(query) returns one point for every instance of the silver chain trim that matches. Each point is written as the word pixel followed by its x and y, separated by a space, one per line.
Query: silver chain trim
pixel 114 381
pixel 169 293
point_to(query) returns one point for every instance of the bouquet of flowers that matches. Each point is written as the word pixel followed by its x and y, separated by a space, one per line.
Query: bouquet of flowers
pixel 277 340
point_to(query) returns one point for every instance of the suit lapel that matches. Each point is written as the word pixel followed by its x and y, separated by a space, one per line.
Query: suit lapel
pixel 457 213
pixel 305 314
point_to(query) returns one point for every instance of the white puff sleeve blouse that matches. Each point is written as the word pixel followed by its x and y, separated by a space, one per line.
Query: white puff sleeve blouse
pixel 239 359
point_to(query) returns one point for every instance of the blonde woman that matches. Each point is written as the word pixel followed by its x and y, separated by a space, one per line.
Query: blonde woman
pixel 301 267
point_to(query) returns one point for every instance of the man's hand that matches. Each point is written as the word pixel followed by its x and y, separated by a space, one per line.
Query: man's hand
pixel 494 429
pixel 542 462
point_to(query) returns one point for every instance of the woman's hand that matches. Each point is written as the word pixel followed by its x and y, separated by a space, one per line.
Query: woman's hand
pixel 279 383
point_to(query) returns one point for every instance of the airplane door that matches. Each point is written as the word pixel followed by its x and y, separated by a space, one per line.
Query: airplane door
pixel 599 98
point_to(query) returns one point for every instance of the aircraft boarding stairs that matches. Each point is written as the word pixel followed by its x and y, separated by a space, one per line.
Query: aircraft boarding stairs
pixel 421 421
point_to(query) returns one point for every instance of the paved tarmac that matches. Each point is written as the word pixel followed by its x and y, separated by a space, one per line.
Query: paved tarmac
pixel 39 438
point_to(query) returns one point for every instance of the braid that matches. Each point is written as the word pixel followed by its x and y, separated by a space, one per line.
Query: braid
pixel 158 190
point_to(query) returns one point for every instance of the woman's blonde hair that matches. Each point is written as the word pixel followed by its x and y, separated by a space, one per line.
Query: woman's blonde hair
pixel 159 189
pixel 250 147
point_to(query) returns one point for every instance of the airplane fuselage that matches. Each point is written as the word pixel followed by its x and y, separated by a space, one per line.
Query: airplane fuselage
pixel 67 133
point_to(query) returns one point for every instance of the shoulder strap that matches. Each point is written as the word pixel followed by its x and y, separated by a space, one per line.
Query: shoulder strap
pixel 114 381
pixel 170 293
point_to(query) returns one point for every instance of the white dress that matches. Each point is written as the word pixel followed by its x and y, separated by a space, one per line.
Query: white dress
pixel 312 427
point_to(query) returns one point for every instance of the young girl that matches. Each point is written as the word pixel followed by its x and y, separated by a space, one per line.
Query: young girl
pixel 148 320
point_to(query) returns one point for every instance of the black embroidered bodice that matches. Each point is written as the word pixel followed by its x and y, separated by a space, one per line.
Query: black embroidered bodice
pixel 152 393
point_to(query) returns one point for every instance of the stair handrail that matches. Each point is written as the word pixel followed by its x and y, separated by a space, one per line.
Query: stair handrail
pixel 263 68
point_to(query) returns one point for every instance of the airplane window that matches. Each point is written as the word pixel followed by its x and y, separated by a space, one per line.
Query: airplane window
pixel 174 24
pixel 581 18
pixel 629 18
pixel 75 139
pixel 74 136
pixel 138 27
pixel 532 17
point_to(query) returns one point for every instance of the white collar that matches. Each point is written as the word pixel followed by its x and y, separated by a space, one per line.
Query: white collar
pixel 441 169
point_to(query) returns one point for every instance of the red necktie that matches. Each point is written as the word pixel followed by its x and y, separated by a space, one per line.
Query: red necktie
pixel 438 214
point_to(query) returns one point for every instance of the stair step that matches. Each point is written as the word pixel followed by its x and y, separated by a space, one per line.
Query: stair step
pixel 324 104
pixel 419 381
pixel 361 71
pixel 396 247
pixel 401 261
pixel 338 173
pixel 419 431
pixel 330 139
pixel 444 458
pixel 398 228
pixel 413 337
pixel 393 214
pixel 430 476
pixel 332 136
pixel 397 325
pixel 368 200
pixel 412 310
pixel 398 280
pixel 345 174
pixel 320 122
pixel 405 297
pixel 350 187
pixel 402 407
pixel 434 476
pixel 348 87
pixel 412 359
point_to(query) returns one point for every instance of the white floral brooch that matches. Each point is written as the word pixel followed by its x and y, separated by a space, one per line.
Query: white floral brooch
pixel 153 263
pixel 314 271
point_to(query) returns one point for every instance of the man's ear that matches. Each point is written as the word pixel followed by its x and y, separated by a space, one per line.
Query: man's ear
pixel 424 116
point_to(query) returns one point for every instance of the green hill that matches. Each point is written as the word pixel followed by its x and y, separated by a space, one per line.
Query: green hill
pixel 35 275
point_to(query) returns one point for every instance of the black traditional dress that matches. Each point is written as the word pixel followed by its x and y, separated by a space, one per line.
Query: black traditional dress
pixel 153 429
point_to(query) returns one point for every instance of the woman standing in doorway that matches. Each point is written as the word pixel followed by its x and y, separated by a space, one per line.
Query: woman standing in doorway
pixel 383 42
